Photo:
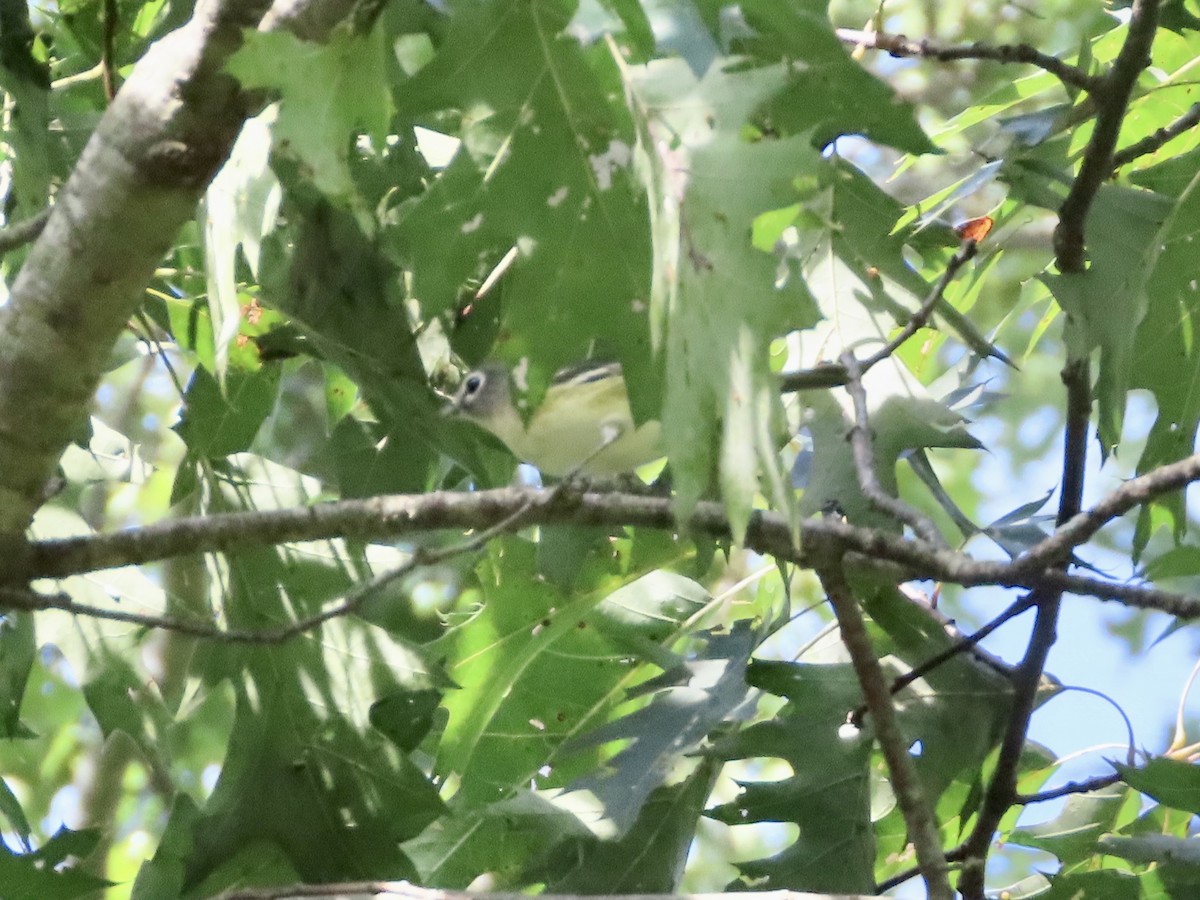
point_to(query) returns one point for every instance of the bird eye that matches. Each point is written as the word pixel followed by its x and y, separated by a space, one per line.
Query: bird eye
pixel 473 383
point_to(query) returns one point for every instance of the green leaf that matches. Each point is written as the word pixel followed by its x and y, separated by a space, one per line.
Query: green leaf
pixel 959 710
pixel 164 874
pixel 216 424
pixel 368 334
pixel 305 779
pixel 329 92
pixel 111 698
pixel 406 716
pixel 827 93
pixel 505 728
pixel 1163 353
pixel 546 167
pixel 648 859
pixel 1106 304
pixel 1107 885
pixel 716 304
pixel 1073 833
pixel 685 705
pixel 38 875
pixel 828 793
pixel 638 30
pixel 1178 562
pixel 500 839
pixel 1169 781
pixel 865 233
pixel 18 647
pixel 903 417
pixel 366 461
pixel 11 809
pixel 1155 848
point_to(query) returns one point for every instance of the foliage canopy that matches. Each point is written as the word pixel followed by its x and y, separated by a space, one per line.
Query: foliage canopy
pixel 271 617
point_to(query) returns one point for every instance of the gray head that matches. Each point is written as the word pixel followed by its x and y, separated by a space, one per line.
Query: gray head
pixel 484 394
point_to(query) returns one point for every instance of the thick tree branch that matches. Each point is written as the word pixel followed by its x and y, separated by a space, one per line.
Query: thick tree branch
pixel 393 516
pixel 906 785
pixel 138 180
pixel 1112 98
pixel 1001 793
pixel 402 890
pixel 900 46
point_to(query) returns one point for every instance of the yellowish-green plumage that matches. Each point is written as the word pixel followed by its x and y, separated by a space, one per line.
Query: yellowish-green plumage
pixel 583 423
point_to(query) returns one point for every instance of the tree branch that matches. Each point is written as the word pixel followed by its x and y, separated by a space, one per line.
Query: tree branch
pixel 1152 142
pixel 137 181
pixel 900 46
pixel 918 816
pixel 1001 793
pixel 1135 492
pixel 862 446
pixel 1086 786
pixel 18 234
pixel 405 891
pixel 831 375
pixel 392 516
pixel 1112 98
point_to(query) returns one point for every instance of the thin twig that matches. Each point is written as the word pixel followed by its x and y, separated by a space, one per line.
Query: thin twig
pixel 108 50
pixel 900 46
pixel 1086 786
pixel 918 320
pixel 1133 493
pixel 1152 142
pixel 831 375
pixel 861 445
pixel 906 785
pixel 18 234
pixel 962 645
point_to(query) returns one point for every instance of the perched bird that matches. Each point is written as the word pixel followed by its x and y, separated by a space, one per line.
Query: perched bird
pixel 583 425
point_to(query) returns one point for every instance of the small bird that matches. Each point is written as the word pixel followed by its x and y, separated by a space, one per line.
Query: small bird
pixel 583 425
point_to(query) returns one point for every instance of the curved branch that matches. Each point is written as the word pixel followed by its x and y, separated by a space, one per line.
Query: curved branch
pixel 18 234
